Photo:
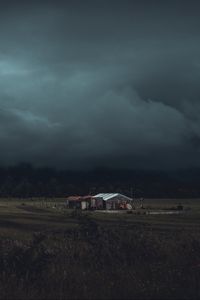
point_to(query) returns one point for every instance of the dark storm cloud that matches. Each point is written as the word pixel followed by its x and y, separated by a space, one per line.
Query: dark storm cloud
pixel 89 83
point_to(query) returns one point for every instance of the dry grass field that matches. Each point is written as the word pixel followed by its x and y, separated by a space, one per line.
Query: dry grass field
pixel 49 252
pixel 22 217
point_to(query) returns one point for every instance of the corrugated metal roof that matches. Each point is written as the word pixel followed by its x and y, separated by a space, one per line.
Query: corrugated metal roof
pixel 108 196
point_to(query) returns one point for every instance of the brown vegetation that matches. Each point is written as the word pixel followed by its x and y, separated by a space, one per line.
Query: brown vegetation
pixel 104 257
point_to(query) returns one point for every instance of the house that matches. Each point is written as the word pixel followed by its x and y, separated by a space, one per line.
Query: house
pixel 114 201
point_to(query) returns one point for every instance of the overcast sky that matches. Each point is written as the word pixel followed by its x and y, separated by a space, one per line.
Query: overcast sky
pixel 87 84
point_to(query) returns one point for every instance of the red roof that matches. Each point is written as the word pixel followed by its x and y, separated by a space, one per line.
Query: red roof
pixel 87 197
pixel 74 198
pixel 79 198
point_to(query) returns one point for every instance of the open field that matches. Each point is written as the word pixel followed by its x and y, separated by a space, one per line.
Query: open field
pixel 22 217
pixel 48 252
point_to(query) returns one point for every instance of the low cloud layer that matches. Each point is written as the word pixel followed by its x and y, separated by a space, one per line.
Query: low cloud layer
pixel 86 88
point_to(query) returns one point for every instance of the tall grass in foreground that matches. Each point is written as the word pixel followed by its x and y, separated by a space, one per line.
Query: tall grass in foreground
pixel 97 262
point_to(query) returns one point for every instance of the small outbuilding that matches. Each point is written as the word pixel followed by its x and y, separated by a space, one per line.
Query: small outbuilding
pixel 78 202
pixel 73 202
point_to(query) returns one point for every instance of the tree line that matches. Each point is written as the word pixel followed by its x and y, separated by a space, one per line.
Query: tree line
pixel 25 180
